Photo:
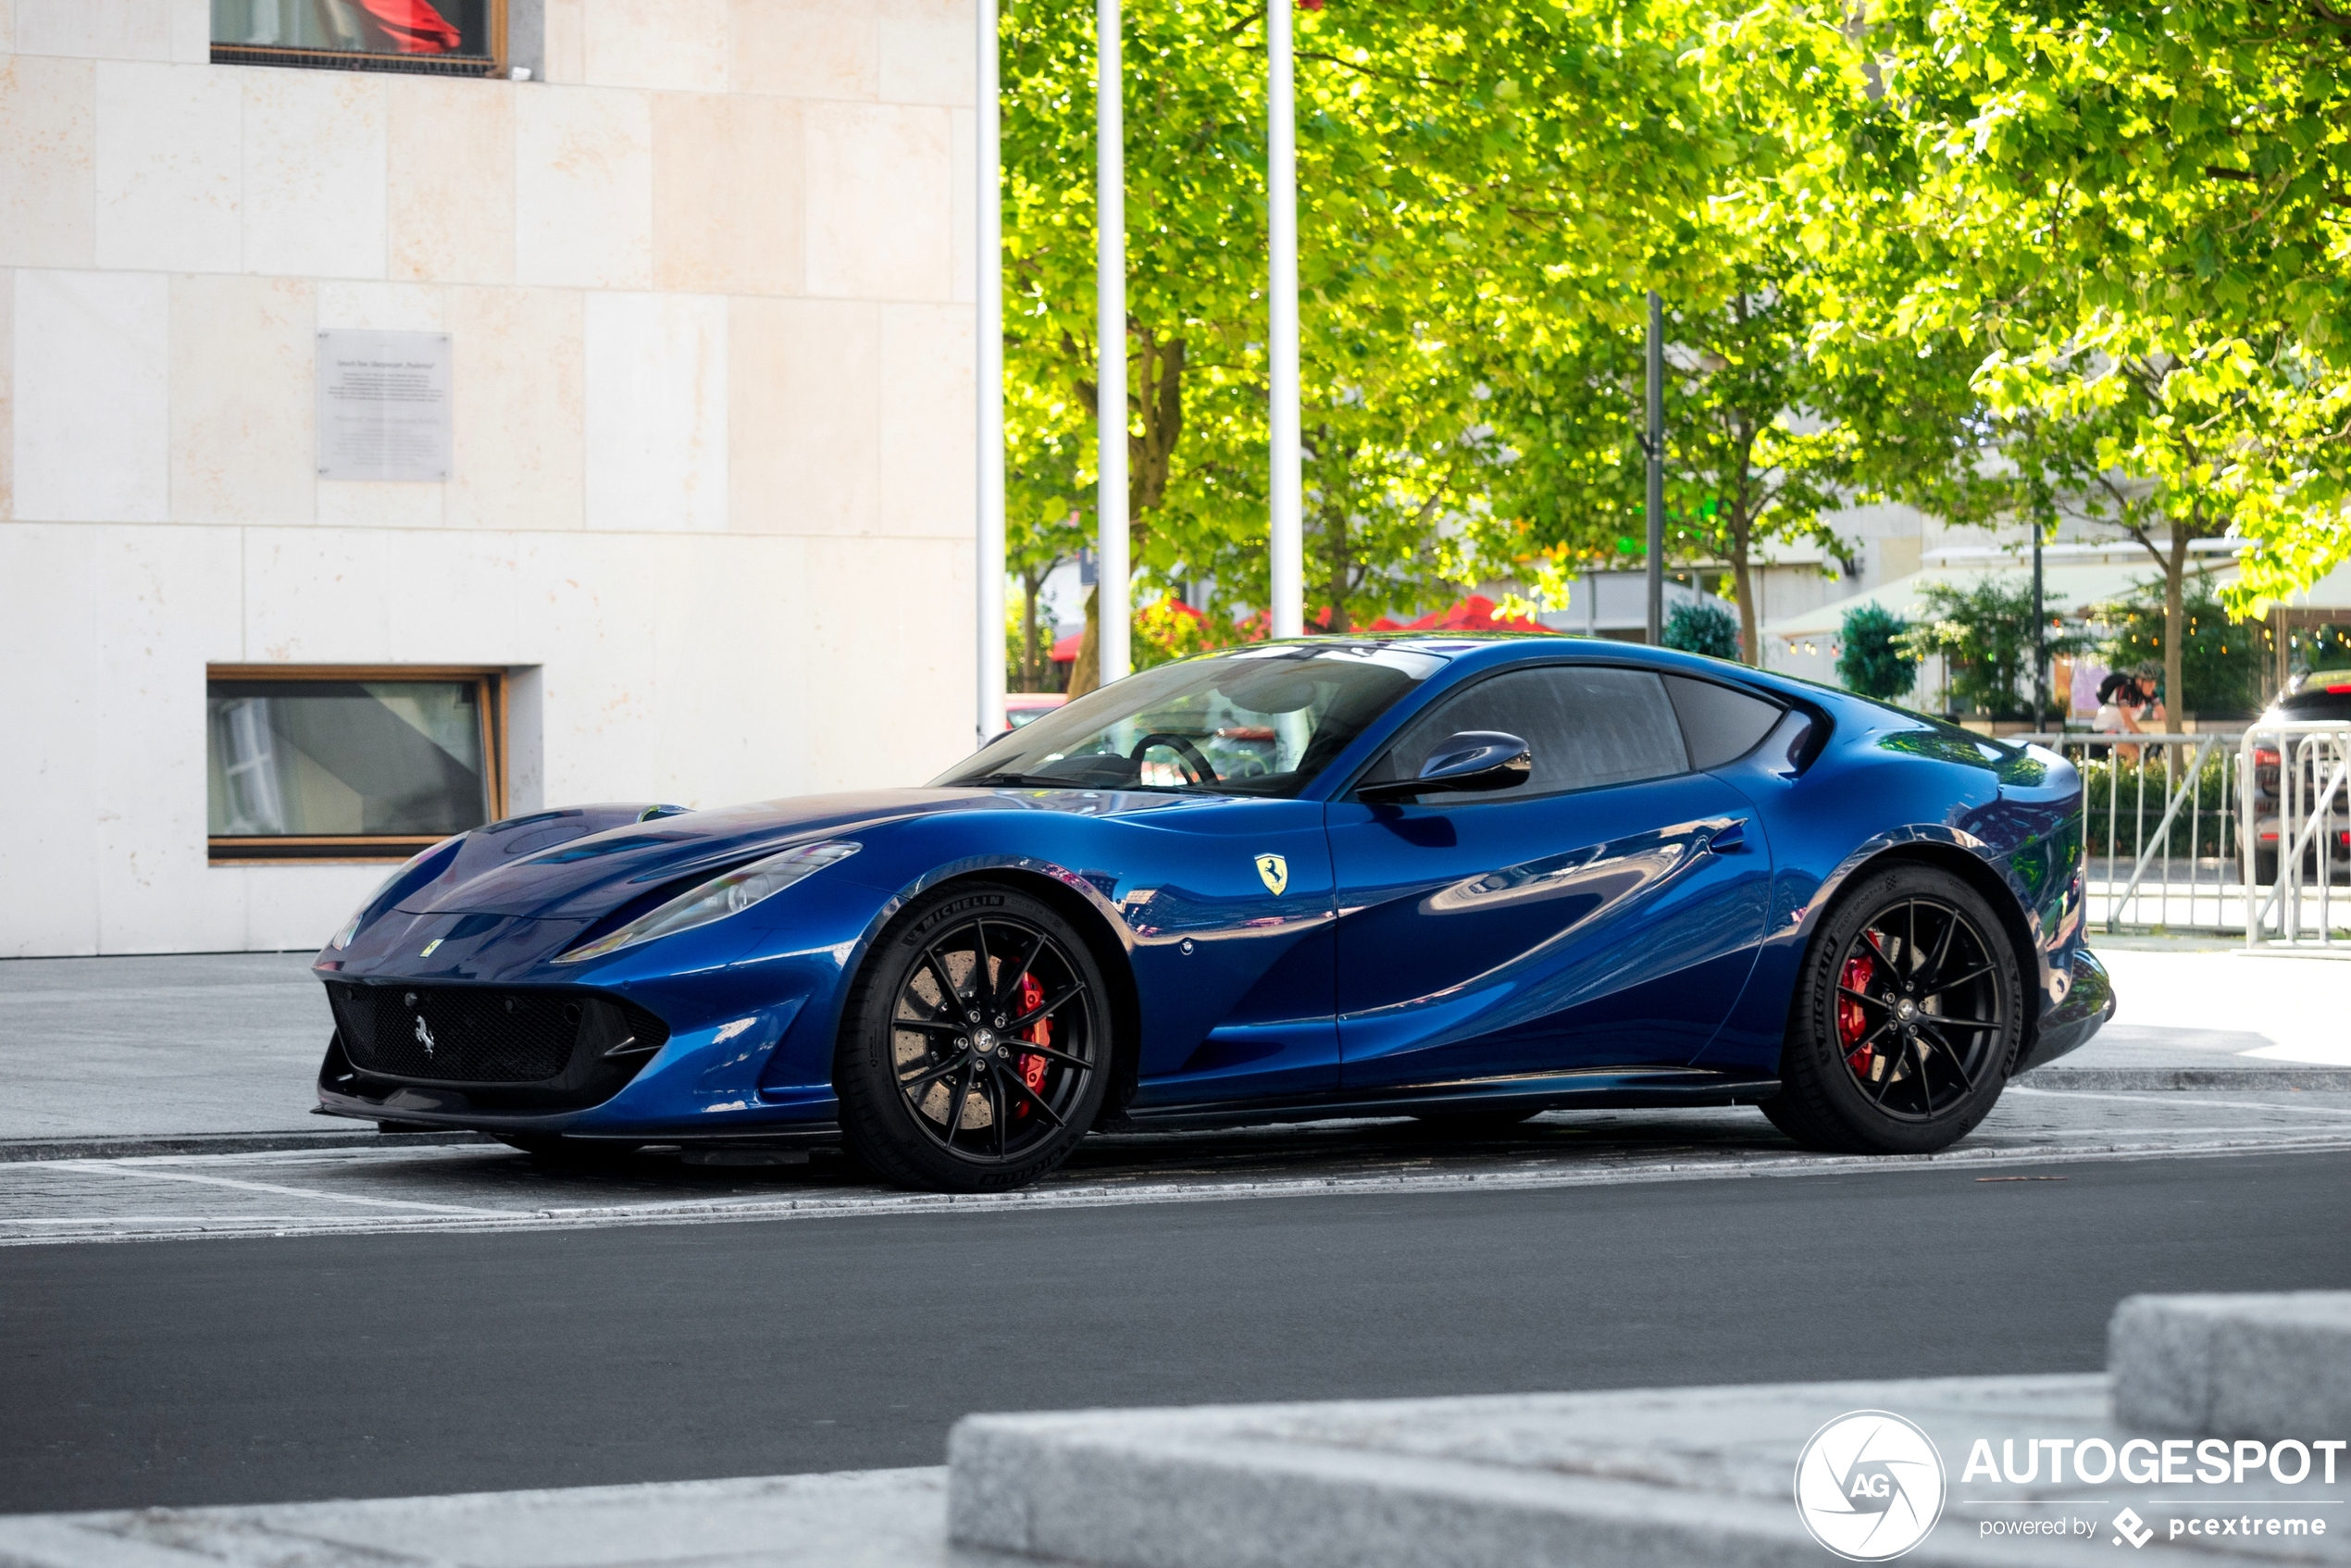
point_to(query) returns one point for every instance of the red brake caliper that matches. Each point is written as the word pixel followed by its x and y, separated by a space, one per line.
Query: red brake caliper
pixel 1851 1022
pixel 1032 1069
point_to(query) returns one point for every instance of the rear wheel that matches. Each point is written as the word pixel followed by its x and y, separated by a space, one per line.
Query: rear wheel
pixel 974 1051
pixel 1907 1015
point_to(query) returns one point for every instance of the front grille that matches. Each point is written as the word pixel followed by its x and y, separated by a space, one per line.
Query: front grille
pixel 466 1034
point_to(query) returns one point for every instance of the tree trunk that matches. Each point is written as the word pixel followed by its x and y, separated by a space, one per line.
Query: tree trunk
pixel 1032 676
pixel 2175 626
pixel 1742 573
pixel 1086 673
pixel 1339 558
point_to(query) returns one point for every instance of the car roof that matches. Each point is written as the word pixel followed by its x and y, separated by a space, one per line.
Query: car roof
pixel 1486 649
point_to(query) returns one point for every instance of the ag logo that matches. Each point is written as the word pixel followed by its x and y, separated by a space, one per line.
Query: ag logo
pixel 424 1036
pixel 1276 871
pixel 1869 1486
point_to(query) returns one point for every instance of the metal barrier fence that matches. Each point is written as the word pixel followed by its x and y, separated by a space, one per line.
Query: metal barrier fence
pixel 2162 827
pixel 2296 781
pixel 2181 832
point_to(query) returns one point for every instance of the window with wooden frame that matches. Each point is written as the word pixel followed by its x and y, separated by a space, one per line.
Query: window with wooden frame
pixel 439 37
pixel 349 764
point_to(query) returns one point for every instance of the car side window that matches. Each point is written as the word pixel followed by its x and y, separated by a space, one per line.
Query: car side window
pixel 1588 725
pixel 1719 724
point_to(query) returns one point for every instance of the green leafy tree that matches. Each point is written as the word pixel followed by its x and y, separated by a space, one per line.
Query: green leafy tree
pixel 1872 659
pixel 2135 220
pixel 1475 181
pixel 1702 628
pixel 1766 438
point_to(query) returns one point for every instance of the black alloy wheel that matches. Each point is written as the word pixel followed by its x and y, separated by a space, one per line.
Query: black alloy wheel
pixel 974 1051
pixel 1906 1019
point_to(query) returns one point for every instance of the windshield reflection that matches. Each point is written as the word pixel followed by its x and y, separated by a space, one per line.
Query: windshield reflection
pixel 1263 720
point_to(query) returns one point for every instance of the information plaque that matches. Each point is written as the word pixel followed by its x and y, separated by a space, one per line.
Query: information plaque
pixel 383 405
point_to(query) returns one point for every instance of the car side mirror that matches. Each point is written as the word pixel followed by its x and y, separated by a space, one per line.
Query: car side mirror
pixel 1469 763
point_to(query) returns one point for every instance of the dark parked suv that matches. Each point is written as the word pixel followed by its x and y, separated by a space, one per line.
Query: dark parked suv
pixel 2322 695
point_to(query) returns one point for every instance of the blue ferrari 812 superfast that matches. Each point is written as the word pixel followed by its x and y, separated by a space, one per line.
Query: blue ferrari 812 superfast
pixel 1467 879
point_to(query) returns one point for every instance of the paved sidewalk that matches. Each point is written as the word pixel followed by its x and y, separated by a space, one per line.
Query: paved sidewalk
pixel 179 1045
pixel 864 1519
pixel 2190 1005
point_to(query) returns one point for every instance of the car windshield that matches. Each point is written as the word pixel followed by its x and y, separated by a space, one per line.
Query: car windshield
pixel 1260 721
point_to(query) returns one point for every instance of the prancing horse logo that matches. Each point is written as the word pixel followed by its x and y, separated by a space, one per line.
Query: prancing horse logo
pixel 424 1034
pixel 1276 871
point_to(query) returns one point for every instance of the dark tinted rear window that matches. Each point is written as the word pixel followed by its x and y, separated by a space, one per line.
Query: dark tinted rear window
pixel 1721 725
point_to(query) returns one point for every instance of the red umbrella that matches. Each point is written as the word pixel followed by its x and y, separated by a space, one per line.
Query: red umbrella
pixel 413 26
pixel 1474 613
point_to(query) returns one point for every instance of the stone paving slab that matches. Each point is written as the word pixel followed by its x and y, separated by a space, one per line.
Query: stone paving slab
pixel 487 1187
pixel 169 1046
pixel 1686 1479
pixel 864 1519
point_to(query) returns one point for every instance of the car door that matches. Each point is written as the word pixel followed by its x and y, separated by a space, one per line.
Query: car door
pixel 1604 913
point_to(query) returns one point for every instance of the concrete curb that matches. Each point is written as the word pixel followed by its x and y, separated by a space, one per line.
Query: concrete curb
pixel 137 1146
pixel 2269 1366
pixel 2275 1080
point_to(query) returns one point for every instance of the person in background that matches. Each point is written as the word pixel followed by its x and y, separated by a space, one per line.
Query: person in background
pixel 2129 704
pixel 2080 679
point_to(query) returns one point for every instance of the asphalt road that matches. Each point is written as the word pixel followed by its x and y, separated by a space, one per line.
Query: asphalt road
pixel 252 1371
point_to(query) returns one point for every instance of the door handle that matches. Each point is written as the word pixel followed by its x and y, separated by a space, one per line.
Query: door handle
pixel 1728 841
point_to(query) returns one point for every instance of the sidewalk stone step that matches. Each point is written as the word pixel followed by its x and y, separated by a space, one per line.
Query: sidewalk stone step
pixel 356 1136
pixel 2293 1079
pixel 2267 1366
pixel 1675 1478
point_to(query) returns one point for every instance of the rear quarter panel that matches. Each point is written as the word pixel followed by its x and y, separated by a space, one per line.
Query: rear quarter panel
pixel 1890 783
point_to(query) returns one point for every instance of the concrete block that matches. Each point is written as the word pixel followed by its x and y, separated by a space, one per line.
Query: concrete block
pixel 1645 1479
pixel 2267 1367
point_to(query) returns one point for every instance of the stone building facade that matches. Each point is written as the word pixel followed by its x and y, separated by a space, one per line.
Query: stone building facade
pixel 706 535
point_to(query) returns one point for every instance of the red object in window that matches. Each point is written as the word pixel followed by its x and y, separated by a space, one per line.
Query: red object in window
pixel 414 26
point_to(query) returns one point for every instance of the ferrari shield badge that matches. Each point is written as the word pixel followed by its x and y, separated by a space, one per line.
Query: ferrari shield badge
pixel 1276 871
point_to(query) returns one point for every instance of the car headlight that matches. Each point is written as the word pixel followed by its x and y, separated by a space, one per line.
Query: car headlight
pixel 718 898
pixel 342 938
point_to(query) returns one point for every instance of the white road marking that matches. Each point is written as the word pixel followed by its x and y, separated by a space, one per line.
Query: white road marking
pixel 2182 1143
pixel 129 1169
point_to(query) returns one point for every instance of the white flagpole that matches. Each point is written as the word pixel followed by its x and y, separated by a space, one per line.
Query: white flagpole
pixel 1110 289
pixel 1286 556
pixel 989 328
